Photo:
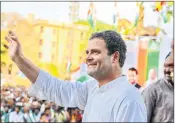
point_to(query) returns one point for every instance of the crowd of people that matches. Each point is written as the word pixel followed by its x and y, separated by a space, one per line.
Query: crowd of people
pixel 18 106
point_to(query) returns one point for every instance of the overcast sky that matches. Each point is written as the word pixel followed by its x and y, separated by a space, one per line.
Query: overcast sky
pixel 59 10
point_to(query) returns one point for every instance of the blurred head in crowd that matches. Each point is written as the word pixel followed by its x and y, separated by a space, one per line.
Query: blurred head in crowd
pixel 152 74
pixel 26 108
pixel 43 118
pixel 35 107
pixel 47 111
pixel 17 109
pixel 169 69
pixel 6 109
pixel 132 75
pixel 36 110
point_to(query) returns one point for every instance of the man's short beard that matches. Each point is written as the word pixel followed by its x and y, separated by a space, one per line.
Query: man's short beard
pixel 98 74
pixel 170 80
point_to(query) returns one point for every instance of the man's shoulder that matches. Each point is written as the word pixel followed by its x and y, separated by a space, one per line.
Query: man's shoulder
pixel 128 91
pixel 153 89
pixel 155 85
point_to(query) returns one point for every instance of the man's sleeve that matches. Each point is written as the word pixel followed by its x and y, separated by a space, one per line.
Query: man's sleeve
pixel 63 93
pixel 131 111
pixel 149 100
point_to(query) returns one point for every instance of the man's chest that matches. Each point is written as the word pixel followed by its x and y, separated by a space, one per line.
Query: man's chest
pixel 100 107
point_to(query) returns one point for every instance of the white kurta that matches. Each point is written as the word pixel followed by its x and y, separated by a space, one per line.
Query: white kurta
pixel 14 117
pixel 117 101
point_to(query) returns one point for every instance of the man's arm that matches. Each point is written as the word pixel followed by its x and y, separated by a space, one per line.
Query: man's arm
pixel 63 93
pixel 28 68
pixel 44 85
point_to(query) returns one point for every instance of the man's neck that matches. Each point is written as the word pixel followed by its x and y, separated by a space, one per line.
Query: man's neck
pixel 109 79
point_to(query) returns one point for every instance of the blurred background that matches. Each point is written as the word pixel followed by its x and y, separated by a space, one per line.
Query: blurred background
pixel 54 35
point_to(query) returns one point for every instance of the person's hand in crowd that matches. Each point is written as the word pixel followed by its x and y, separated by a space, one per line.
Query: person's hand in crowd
pixel 42 109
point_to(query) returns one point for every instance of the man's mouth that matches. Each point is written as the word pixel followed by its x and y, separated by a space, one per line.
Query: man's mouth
pixel 168 77
pixel 91 65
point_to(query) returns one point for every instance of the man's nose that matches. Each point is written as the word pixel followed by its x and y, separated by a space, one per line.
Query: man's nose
pixel 167 69
pixel 89 58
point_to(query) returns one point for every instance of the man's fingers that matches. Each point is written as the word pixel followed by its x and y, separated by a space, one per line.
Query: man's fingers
pixel 6 46
pixel 8 39
pixel 13 37
pixel 12 33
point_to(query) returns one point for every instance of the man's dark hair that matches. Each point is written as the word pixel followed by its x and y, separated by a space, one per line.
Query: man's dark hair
pixel 133 69
pixel 47 109
pixel 168 55
pixel 114 42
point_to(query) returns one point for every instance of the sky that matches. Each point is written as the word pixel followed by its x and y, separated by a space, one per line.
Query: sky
pixel 59 10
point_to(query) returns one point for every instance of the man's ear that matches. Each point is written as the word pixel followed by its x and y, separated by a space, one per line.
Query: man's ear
pixel 116 56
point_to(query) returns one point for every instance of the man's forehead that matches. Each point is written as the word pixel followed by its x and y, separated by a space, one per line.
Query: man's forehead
pixel 96 43
pixel 169 60
pixel 131 72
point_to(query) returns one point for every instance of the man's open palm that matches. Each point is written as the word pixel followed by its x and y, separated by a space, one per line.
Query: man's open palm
pixel 14 45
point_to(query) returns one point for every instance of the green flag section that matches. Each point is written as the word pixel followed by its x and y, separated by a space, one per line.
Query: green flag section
pixel 152 56
pixel 90 20
pixel 82 79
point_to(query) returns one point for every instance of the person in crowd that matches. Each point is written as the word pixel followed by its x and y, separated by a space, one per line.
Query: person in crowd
pixel 27 117
pixel 105 57
pixel 47 114
pixel 152 77
pixel 159 96
pixel 133 77
pixel 43 118
pixel 60 115
pixel 17 115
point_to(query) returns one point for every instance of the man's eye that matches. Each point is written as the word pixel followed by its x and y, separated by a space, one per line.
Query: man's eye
pixel 95 52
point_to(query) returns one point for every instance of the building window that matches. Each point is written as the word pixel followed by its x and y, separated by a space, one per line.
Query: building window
pixel 54 31
pixel 69 33
pixel 42 29
pixel 40 55
pixel 81 36
pixel 40 42
pixel 52 57
pixel 53 44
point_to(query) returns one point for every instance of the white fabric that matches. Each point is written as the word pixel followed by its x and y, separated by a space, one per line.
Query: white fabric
pixel 117 101
pixel 14 117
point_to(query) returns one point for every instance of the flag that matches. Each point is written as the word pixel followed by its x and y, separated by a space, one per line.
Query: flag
pixel 115 15
pixel 139 5
pixel 152 56
pixel 90 15
pixel 136 20
pixel 69 64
